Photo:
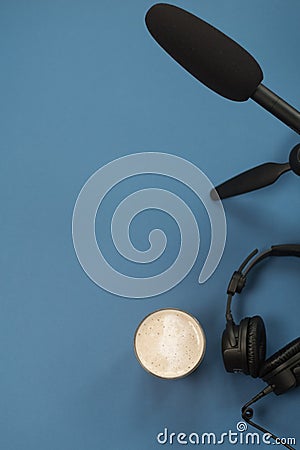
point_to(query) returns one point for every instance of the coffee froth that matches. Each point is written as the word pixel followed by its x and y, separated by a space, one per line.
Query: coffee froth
pixel 169 343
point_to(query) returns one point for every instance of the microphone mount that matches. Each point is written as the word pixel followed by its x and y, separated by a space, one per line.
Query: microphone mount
pixel 260 176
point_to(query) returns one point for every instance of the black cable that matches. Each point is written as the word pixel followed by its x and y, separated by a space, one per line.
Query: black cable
pixel 247 414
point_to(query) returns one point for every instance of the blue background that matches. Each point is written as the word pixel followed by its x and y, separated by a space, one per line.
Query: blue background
pixel 83 83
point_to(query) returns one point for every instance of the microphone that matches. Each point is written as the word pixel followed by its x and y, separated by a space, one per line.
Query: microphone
pixel 215 60
pixel 247 414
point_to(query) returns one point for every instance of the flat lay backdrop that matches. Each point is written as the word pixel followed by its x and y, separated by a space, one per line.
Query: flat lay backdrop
pixel 81 84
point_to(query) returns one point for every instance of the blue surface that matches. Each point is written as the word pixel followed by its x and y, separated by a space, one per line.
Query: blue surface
pixel 82 83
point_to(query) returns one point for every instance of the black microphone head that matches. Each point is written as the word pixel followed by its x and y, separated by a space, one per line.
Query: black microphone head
pixel 208 54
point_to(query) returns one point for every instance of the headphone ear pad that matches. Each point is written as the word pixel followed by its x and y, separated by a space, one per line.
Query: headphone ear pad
pixel 256 345
pixel 280 357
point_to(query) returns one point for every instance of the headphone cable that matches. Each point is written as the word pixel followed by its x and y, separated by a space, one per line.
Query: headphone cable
pixel 247 414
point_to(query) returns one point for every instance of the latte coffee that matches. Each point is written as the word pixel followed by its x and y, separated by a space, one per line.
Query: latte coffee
pixel 169 343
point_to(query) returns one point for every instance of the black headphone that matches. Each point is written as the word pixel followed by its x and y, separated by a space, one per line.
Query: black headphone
pixel 244 345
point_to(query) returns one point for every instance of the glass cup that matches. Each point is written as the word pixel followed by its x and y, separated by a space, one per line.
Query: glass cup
pixel 169 343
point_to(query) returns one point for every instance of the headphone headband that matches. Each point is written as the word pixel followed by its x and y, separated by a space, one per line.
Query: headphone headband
pixel 239 277
pixel 276 250
pixel 236 285
pixel 286 250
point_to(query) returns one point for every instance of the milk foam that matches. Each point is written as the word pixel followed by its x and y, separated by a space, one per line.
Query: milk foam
pixel 170 343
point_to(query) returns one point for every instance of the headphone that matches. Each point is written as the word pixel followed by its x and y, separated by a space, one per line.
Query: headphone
pixel 244 345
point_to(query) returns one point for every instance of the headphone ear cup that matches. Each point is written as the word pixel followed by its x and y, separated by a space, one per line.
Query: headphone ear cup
pixel 277 370
pixel 256 345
